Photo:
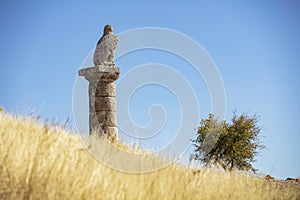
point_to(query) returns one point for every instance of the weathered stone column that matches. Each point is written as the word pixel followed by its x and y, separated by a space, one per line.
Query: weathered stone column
pixel 102 99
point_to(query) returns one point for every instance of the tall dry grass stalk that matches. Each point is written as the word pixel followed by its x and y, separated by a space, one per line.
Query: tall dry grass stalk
pixel 42 162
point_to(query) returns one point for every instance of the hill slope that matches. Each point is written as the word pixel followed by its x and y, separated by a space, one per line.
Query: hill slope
pixel 42 162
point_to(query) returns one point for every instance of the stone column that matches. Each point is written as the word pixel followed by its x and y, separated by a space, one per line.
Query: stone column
pixel 102 99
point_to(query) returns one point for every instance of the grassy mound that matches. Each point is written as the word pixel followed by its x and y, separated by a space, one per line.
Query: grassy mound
pixel 42 162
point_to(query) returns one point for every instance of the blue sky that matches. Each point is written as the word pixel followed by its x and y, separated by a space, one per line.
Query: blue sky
pixel 254 44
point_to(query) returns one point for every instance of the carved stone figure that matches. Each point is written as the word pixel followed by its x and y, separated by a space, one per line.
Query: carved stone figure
pixel 104 52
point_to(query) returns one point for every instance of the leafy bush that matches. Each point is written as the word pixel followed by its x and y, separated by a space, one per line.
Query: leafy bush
pixel 229 145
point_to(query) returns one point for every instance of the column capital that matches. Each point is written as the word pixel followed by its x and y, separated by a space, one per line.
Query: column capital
pixel 100 73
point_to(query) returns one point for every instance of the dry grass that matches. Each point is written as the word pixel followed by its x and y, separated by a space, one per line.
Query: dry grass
pixel 39 162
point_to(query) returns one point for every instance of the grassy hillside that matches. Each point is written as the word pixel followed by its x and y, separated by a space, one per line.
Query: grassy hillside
pixel 42 162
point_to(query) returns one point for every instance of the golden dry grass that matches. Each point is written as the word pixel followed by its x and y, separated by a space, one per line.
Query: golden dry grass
pixel 40 162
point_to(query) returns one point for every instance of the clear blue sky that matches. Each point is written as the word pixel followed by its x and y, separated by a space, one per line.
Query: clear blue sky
pixel 254 44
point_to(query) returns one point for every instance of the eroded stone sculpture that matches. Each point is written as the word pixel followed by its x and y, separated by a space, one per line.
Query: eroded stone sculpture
pixel 105 49
pixel 102 90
